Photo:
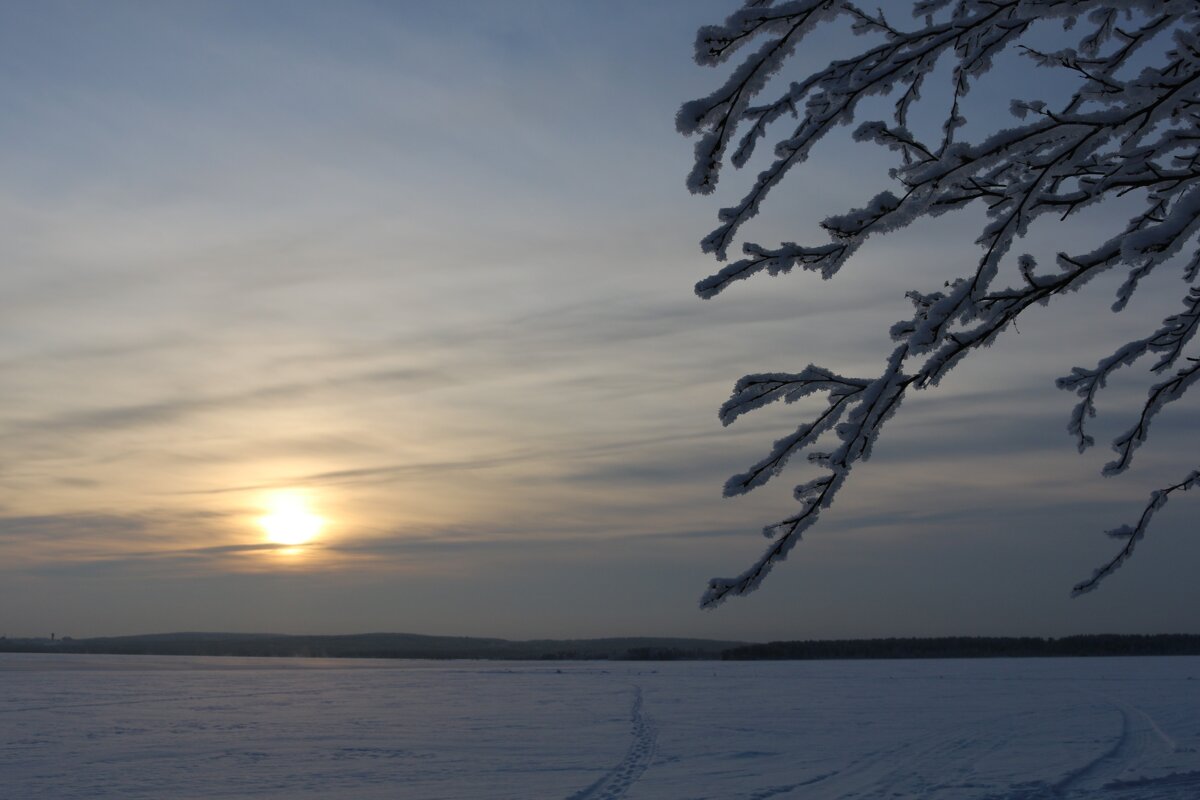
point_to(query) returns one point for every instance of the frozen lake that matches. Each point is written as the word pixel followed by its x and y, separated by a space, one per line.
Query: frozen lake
pixel 154 727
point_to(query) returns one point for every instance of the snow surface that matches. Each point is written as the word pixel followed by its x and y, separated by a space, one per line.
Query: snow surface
pixel 1002 729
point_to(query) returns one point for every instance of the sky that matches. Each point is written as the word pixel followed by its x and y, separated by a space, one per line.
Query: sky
pixel 425 270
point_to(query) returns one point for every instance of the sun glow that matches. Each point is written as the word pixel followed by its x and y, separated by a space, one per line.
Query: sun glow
pixel 289 521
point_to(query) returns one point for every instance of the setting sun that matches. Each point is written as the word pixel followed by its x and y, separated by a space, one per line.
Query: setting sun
pixel 290 522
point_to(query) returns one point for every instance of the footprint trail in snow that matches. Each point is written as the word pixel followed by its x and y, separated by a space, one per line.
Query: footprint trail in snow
pixel 637 758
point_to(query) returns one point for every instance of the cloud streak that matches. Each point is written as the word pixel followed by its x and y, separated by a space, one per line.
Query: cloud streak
pixel 432 265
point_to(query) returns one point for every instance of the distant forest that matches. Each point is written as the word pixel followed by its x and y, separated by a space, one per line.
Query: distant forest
pixel 973 647
pixel 402 645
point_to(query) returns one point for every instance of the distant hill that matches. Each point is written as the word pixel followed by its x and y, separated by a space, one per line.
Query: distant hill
pixel 379 645
pixel 409 645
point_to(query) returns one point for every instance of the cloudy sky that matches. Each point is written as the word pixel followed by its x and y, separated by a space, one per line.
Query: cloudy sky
pixel 425 270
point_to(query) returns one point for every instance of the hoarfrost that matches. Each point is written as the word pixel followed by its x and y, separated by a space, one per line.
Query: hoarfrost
pixel 1129 128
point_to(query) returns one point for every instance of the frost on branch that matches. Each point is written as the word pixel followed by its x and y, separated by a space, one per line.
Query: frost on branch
pixel 1132 128
pixel 1132 535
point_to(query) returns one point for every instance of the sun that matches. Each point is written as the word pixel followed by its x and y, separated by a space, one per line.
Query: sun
pixel 289 521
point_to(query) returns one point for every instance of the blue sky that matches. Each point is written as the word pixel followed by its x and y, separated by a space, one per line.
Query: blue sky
pixel 429 266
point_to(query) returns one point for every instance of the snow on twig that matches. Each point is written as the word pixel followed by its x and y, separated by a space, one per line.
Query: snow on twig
pixel 1125 131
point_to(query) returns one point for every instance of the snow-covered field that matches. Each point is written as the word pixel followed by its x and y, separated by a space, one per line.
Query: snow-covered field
pixel 150 727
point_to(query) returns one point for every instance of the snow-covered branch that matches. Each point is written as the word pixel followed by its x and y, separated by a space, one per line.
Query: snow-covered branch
pixel 1132 535
pixel 1131 128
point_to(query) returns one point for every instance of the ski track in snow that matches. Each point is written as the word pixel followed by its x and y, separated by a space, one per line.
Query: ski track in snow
pixel 155 699
pixel 637 758
pixel 1082 729
pixel 1099 777
pixel 776 791
pixel 1139 735
pixel 897 771
pixel 1130 743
